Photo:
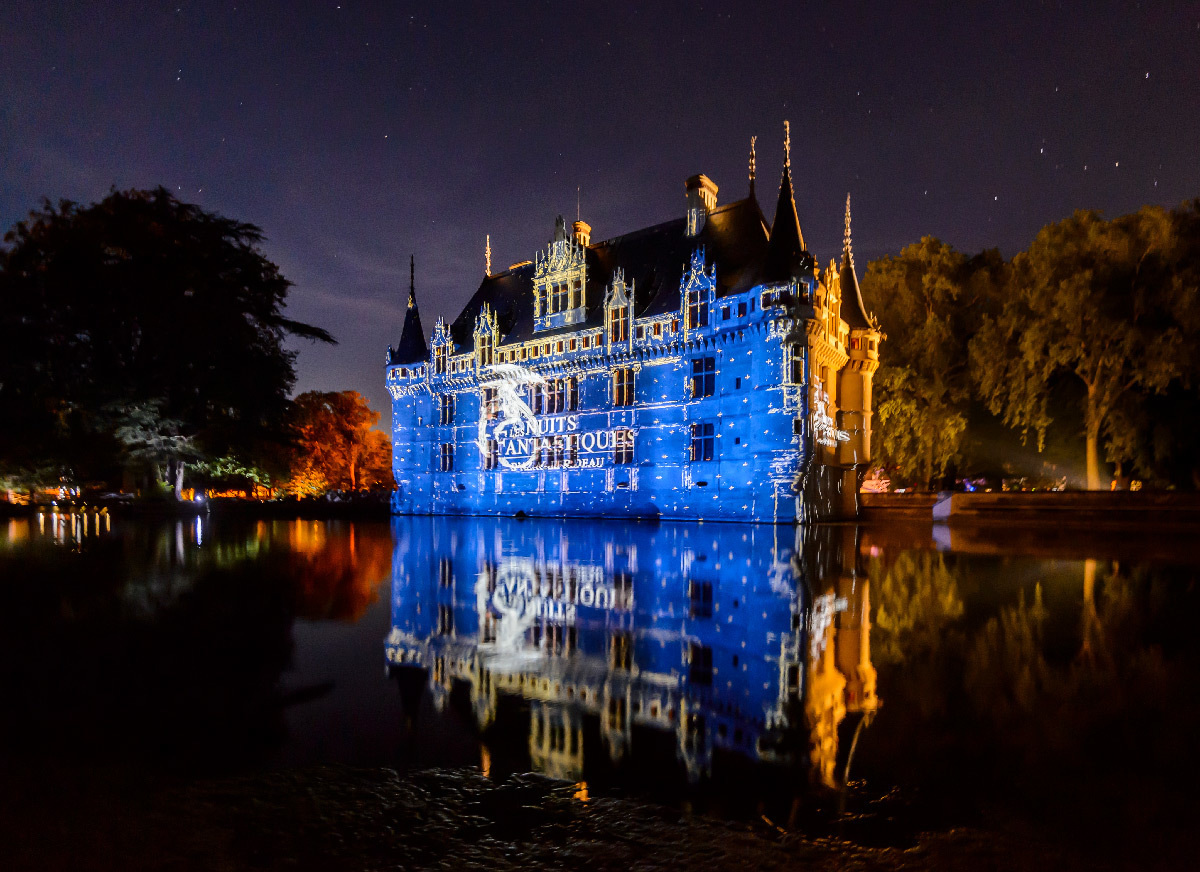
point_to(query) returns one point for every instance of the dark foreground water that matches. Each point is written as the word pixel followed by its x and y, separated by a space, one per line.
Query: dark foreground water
pixel 501 693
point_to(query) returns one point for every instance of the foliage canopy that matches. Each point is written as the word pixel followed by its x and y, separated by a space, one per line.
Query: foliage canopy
pixel 139 299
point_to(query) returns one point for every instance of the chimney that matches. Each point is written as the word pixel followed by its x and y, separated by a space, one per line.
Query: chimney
pixel 701 199
pixel 581 231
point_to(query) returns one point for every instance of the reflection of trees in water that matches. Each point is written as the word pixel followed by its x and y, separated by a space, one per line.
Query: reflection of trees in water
pixel 917 599
pixel 1071 694
pixel 169 639
pixel 338 568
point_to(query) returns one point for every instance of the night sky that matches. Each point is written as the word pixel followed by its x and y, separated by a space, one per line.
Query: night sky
pixel 356 134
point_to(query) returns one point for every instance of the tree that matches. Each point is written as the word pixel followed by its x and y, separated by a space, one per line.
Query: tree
pixel 149 438
pixel 927 299
pixel 139 299
pixel 1094 301
pixel 336 443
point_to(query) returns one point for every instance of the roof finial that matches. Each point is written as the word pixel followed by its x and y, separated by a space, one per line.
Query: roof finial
pixel 412 281
pixel 752 162
pixel 846 243
pixel 487 257
pixel 787 144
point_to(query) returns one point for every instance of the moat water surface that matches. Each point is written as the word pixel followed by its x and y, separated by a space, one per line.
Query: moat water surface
pixel 865 690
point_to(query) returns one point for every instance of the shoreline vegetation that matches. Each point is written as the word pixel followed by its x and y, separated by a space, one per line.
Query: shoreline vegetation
pixel 1107 509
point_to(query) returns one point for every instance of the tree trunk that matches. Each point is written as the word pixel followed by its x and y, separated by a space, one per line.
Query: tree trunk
pixel 1092 429
pixel 179 479
pixel 1093 458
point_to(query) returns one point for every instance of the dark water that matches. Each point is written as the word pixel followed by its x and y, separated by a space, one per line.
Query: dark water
pixel 868 684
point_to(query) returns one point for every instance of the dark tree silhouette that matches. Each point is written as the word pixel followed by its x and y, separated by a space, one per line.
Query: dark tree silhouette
pixel 138 299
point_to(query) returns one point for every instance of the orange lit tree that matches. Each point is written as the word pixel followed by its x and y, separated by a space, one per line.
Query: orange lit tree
pixel 336 445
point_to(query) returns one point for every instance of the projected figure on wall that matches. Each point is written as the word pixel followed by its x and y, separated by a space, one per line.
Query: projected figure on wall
pixel 517 419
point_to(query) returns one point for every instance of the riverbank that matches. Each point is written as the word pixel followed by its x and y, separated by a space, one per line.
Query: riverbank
pixel 1072 508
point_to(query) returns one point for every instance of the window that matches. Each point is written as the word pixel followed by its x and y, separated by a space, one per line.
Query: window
pixel 699 664
pixel 489 403
pixel 700 594
pixel 741 310
pixel 447 456
pixel 704 376
pixel 441 356
pixel 724 313
pixel 623 446
pixel 491 457
pixel 587 341
pixel 737 384
pixel 538 399
pixel 559 347
pixel 446 409
pixel 620 649
pixel 483 349
pixel 572 394
pixel 697 310
pixel 623 386
pixel 560 451
pixel 572 345
pixel 641 332
pixel 657 329
pixel 618 325
pixel 445 572
pixel 445 620
pixel 573 450
pixel 703 439
pixel 555 392
pixel 797 365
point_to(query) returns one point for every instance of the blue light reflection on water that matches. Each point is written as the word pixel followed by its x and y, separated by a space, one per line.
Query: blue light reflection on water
pixel 736 639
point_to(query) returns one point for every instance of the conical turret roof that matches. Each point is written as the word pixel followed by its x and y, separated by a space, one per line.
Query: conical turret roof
pixel 412 347
pixel 853 311
pixel 787 258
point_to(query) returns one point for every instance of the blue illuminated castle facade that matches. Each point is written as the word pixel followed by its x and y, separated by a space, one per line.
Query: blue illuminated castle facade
pixel 703 368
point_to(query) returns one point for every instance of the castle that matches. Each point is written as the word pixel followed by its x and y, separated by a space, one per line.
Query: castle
pixel 704 368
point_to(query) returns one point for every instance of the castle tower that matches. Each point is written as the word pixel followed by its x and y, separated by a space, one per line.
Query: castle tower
pixel 854 389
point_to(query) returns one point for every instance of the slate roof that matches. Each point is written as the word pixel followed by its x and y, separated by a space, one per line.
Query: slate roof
pixel 735 237
pixel 853 311
pixel 412 347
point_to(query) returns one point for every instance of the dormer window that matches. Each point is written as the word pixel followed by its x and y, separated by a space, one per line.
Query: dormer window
pixel 483 350
pixel 441 360
pixel 697 309
pixel 618 325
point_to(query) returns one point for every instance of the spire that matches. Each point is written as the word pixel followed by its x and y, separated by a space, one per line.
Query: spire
pixel 412 347
pixel 787 258
pixel 853 310
pixel 487 257
pixel 846 250
pixel 752 163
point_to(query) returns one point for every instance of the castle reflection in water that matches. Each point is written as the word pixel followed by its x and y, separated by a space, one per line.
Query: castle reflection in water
pixel 726 639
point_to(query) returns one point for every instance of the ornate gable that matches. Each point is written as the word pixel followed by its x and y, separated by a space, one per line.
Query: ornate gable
pixel 559 282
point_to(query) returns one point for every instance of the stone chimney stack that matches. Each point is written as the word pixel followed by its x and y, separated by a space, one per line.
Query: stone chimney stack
pixel 701 199
pixel 582 233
